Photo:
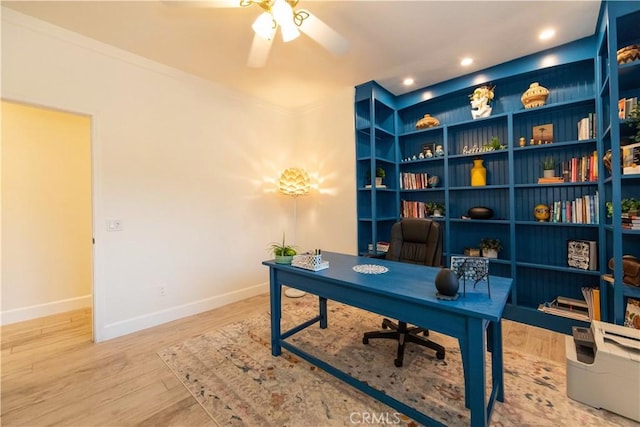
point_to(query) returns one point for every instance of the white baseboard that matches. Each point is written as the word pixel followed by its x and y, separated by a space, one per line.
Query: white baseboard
pixel 139 323
pixel 46 309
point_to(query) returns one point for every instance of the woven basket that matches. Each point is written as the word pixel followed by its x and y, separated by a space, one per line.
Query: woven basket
pixel 309 262
pixel 629 54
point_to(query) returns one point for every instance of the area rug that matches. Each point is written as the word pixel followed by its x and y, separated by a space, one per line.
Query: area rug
pixel 233 375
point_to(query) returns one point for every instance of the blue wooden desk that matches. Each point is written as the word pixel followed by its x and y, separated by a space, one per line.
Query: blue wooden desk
pixel 405 292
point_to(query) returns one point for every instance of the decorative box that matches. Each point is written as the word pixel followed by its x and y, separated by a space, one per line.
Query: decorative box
pixel 309 262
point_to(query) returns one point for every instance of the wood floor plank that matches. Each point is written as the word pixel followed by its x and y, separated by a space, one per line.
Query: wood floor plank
pixel 52 374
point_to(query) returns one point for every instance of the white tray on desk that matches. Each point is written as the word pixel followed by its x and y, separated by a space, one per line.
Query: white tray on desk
pixel 309 262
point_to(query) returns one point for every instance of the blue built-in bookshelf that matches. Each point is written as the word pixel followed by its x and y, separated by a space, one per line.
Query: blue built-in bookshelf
pixel 583 84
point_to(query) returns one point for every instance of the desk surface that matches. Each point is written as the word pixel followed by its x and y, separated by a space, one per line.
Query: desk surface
pixel 400 283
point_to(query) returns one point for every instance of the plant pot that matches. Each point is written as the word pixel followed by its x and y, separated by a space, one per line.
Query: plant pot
pixel 378 181
pixel 548 173
pixel 489 253
pixel 284 259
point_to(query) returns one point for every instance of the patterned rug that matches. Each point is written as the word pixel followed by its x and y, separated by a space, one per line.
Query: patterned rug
pixel 232 374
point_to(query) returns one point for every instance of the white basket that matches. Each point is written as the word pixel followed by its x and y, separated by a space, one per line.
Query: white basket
pixel 310 262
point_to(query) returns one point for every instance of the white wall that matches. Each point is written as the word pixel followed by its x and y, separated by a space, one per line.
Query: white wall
pixel 46 212
pixel 187 166
pixel 324 138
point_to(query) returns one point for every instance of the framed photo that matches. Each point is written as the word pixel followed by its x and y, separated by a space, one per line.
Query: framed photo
pixel 542 134
pixel 582 254
pixel 429 147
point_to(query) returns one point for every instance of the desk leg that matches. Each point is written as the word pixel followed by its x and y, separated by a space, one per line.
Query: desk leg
pixel 475 378
pixel 322 303
pixel 275 289
pixel 497 370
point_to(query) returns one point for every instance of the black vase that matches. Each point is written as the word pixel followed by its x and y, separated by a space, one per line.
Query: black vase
pixel 447 282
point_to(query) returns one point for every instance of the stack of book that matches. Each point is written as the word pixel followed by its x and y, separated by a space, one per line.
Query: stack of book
pixel 630 222
pixel 587 127
pixel 567 307
pixel 592 297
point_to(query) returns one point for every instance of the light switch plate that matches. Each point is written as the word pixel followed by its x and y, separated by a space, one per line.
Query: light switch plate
pixel 114 225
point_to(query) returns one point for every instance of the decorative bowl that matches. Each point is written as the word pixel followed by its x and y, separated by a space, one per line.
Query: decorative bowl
pixel 628 54
pixel 535 96
pixel 480 212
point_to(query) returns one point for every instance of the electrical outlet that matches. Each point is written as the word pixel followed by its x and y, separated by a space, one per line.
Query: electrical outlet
pixel 162 290
pixel 114 225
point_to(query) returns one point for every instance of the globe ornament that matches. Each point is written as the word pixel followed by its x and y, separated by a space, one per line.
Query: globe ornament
pixel 541 212
pixel 447 284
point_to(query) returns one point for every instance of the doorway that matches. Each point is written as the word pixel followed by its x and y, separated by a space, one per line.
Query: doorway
pixel 47 224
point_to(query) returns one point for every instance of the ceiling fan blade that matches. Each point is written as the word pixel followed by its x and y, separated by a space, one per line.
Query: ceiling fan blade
pixel 324 35
pixel 203 3
pixel 259 52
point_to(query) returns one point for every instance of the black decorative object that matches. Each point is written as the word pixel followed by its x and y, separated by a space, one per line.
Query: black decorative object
pixel 447 284
pixel 480 212
pixel 472 268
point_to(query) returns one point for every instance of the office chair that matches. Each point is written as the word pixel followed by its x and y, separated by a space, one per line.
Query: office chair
pixel 415 241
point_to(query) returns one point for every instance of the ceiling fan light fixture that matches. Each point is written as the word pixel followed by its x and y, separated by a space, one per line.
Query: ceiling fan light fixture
pixel 289 32
pixel 264 26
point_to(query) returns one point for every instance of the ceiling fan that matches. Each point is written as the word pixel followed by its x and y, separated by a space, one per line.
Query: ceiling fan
pixel 284 15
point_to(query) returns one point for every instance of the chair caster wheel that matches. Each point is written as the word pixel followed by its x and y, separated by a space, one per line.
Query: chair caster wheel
pixel 440 356
pixel 397 362
pixel 365 340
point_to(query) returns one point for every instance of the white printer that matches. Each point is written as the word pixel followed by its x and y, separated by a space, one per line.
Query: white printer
pixel 603 368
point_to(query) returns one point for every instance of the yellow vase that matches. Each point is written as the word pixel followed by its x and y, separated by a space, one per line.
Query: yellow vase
pixel 478 174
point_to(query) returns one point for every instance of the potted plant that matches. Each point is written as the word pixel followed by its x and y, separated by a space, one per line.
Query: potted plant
pixel 627 206
pixel 380 174
pixel 284 253
pixel 548 167
pixel 634 122
pixel 435 208
pixel 490 247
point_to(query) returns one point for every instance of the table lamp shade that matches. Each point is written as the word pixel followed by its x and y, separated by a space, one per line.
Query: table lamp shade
pixel 294 182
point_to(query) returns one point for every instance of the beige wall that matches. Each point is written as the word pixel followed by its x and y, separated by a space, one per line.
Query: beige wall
pixel 46 211
pixel 188 166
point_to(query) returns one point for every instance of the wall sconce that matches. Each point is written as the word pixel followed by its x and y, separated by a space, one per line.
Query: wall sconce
pixel 294 182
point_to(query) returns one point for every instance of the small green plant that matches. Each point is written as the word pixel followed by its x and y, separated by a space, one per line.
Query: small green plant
pixel 495 143
pixel 380 173
pixel 491 244
pixel 435 206
pixel 634 122
pixel 548 163
pixel 282 249
pixel 626 206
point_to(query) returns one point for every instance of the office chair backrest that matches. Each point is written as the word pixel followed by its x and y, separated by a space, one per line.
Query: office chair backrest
pixel 416 241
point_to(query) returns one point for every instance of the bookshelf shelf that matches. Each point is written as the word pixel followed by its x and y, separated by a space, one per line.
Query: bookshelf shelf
pixel 534 253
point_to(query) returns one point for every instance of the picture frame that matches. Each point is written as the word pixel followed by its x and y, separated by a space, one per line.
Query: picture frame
pixel 542 134
pixel 429 146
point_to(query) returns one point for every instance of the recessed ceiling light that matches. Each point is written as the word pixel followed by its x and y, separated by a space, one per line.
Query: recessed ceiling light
pixel 408 81
pixel 547 34
pixel 466 61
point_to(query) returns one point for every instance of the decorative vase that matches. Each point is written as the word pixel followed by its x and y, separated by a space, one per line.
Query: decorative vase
pixel 489 253
pixel 479 212
pixel 447 282
pixel 548 173
pixel 535 96
pixel 478 174
pixel 427 122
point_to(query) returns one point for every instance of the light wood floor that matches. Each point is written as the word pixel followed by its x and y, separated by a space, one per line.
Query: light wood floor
pixel 52 374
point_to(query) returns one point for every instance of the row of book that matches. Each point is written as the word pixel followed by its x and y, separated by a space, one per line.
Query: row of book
pixel 567 307
pixel 582 210
pixel 630 222
pixel 625 106
pixel 413 209
pixel 414 181
pixel 581 169
pixel 587 127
